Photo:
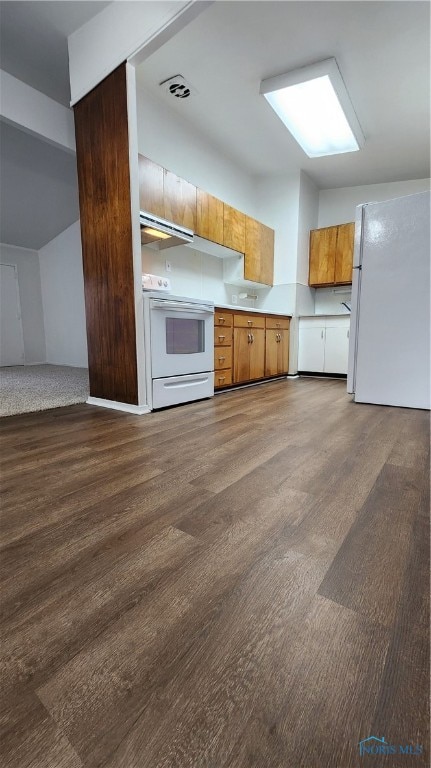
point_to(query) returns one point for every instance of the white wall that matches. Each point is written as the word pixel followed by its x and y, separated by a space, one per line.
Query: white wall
pixel 30 293
pixel 307 219
pixel 173 142
pixel 337 206
pixel 36 113
pixel 277 204
pixel 63 299
pixel 123 31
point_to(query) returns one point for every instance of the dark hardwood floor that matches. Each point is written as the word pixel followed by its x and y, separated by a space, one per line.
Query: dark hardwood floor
pixel 236 583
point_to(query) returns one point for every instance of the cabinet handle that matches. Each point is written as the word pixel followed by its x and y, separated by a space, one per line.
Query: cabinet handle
pixel 221 378
pixel 222 319
pixel 348 334
pixel 250 322
pixel 321 335
pixel 221 359
pixel 252 338
pixel 249 338
pixel 223 337
pixel 278 325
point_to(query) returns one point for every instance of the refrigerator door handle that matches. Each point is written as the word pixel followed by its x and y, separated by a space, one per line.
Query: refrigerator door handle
pixel 358 267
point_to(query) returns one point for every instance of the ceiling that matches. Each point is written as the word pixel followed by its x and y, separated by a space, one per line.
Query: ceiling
pixel 38 189
pixel 33 41
pixel 38 182
pixel 382 50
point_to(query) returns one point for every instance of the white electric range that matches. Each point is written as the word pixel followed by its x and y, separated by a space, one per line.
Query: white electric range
pixel 179 345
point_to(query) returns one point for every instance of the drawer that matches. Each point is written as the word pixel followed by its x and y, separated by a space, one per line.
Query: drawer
pixel 278 323
pixel 222 338
pixel 223 378
pixel 249 321
pixel 223 318
pixel 222 357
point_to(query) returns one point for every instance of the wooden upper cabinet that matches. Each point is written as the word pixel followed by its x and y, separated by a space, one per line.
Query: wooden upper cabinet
pixel 259 252
pixel 344 253
pixel 180 200
pixel 233 228
pixel 209 217
pixel 331 255
pixel 165 194
pixel 323 243
pixel 151 194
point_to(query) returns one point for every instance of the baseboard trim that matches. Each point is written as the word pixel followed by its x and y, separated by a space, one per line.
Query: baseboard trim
pixel 321 375
pixel 138 410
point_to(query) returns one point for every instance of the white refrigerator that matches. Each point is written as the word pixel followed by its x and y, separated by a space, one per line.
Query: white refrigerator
pixel 389 352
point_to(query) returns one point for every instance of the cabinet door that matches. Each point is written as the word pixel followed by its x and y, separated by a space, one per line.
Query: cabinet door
pixel 311 349
pixel 271 352
pixel 259 252
pixel 283 352
pixel 344 253
pixel 336 350
pixel 323 243
pixel 257 354
pixel 209 217
pixel 180 200
pixel 233 228
pixel 241 354
pixel 276 352
pixel 151 196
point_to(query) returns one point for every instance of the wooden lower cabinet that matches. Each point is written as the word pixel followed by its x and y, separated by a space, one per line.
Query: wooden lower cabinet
pixel 248 354
pixel 277 346
pixel 223 329
pixel 276 352
pixel 249 347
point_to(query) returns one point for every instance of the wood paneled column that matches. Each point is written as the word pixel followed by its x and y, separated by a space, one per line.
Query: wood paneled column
pixel 102 150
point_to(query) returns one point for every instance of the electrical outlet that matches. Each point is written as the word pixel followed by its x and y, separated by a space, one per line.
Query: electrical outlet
pixel 168 266
pixel 234 298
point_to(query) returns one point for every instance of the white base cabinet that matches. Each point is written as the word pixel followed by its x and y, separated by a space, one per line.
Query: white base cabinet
pixel 323 345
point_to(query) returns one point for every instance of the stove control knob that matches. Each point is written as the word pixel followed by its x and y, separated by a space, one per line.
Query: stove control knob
pixel 165 283
pixel 160 282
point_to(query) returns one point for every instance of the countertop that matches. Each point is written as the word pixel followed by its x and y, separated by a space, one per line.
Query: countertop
pixel 236 307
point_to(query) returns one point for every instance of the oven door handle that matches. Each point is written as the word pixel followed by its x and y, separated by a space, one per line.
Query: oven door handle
pixel 199 309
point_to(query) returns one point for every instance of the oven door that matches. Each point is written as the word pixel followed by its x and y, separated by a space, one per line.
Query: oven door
pixel 182 338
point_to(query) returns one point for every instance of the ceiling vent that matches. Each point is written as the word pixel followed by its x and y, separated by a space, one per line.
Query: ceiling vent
pixel 177 86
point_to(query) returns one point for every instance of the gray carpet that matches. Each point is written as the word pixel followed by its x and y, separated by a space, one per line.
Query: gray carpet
pixel 27 388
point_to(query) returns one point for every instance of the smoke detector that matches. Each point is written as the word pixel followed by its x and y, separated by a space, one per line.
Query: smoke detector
pixel 177 86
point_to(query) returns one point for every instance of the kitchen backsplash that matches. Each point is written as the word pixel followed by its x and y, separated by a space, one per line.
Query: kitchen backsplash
pixel 328 301
pixel 192 274
pixel 200 276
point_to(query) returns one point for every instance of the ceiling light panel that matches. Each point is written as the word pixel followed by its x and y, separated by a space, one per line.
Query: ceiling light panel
pixel 314 105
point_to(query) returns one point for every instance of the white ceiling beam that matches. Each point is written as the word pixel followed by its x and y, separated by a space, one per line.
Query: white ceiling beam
pixel 33 112
pixel 123 32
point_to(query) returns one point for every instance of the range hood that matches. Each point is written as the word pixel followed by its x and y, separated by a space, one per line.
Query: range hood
pixel 161 234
